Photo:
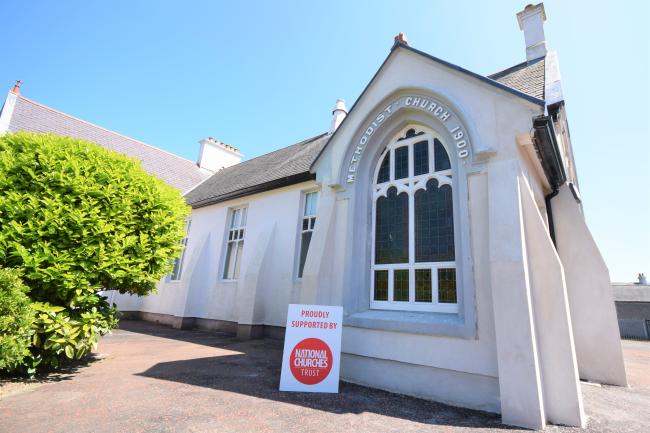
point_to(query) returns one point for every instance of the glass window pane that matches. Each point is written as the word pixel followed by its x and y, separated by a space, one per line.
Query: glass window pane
pixel 312 224
pixel 401 285
pixel 434 224
pixel 244 214
pixel 423 285
pixel 381 286
pixel 401 162
pixel 392 228
pixel 440 155
pixel 421 158
pixel 234 222
pixel 447 286
pixel 305 223
pixel 227 266
pixel 311 203
pixel 384 169
pixel 240 250
pixel 304 248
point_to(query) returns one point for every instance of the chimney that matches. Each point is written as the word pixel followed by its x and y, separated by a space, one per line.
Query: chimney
pixel 16 89
pixel 338 114
pixel 215 155
pixel 531 21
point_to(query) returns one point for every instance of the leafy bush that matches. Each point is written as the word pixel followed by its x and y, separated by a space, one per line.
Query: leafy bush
pixel 62 334
pixel 16 316
pixel 80 218
pixel 76 219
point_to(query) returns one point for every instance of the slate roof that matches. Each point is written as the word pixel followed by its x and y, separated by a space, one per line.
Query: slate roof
pixel 525 77
pixel 291 164
pixel 282 167
pixel 176 171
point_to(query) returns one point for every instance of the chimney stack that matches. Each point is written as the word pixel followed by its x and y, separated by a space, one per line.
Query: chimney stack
pixel 16 89
pixel 215 155
pixel 531 21
pixel 338 114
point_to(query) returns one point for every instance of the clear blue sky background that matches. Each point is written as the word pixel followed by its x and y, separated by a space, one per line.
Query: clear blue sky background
pixel 262 75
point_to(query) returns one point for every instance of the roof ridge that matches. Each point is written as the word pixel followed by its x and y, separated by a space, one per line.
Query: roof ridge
pixel 105 129
pixel 505 71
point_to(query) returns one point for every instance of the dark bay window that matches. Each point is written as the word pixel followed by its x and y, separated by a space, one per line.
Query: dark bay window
pixel 414 258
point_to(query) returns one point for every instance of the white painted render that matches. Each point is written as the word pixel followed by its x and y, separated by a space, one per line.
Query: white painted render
pixel 525 323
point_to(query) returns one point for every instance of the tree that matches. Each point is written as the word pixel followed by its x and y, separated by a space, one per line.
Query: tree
pixel 76 219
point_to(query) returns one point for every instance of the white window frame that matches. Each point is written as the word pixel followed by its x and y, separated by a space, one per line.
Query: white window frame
pixel 311 218
pixel 411 185
pixel 235 234
pixel 181 259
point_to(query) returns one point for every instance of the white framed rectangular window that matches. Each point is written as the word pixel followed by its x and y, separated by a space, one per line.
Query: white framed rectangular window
pixel 235 243
pixel 307 227
pixel 177 270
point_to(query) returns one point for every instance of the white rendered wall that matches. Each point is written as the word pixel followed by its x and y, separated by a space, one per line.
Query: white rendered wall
pixel 595 326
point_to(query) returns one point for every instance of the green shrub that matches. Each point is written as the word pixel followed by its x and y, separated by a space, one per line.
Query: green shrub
pixel 62 334
pixel 16 316
pixel 76 219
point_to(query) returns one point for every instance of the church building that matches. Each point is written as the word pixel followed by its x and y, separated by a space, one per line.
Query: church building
pixel 443 212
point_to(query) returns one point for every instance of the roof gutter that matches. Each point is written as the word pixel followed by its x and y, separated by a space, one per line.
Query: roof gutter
pixel 550 157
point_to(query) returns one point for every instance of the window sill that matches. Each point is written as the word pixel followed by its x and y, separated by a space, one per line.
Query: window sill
pixel 412 322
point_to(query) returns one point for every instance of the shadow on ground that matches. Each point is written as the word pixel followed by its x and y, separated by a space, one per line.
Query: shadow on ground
pixel 254 370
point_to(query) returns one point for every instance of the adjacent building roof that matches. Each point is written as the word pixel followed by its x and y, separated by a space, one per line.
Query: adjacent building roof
pixel 178 172
pixel 283 167
pixel 527 77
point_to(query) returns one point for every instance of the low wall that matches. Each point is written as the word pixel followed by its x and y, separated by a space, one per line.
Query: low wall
pixel 234 328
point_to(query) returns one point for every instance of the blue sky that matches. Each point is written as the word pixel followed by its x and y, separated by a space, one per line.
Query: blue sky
pixel 262 75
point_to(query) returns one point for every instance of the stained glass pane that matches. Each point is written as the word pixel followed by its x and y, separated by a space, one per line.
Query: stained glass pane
pixel 401 162
pixel 384 170
pixel 447 286
pixel 441 157
pixel 392 228
pixel 423 285
pixel 434 224
pixel 421 158
pixel 381 286
pixel 401 285
pixel 304 248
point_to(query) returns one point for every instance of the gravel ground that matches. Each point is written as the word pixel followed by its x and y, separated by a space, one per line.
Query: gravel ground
pixel 149 378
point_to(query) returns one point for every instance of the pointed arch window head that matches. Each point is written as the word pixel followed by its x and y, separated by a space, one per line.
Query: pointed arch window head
pixel 414 249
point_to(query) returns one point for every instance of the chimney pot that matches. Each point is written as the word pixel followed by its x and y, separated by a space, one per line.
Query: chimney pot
pixel 338 114
pixel 531 21
pixel 401 39
pixel 16 89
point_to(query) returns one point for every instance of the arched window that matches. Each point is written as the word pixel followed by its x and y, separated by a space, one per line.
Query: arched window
pixel 413 249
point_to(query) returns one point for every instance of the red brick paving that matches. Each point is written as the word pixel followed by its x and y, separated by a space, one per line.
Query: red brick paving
pixel 155 379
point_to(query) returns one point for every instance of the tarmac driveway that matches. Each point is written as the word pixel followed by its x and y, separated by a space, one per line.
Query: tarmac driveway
pixel 149 378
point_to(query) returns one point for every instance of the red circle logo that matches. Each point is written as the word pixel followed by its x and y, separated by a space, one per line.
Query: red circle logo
pixel 311 361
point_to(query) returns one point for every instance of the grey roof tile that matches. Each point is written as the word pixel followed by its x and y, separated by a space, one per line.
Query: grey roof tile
pixel 176 171
pixel 525 77
pixel 281 167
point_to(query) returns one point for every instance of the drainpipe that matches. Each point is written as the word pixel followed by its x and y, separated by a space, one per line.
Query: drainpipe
pixel 549 213
pixel 550 157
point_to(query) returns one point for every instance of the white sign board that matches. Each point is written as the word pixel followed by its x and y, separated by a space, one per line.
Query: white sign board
pixel 312 349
